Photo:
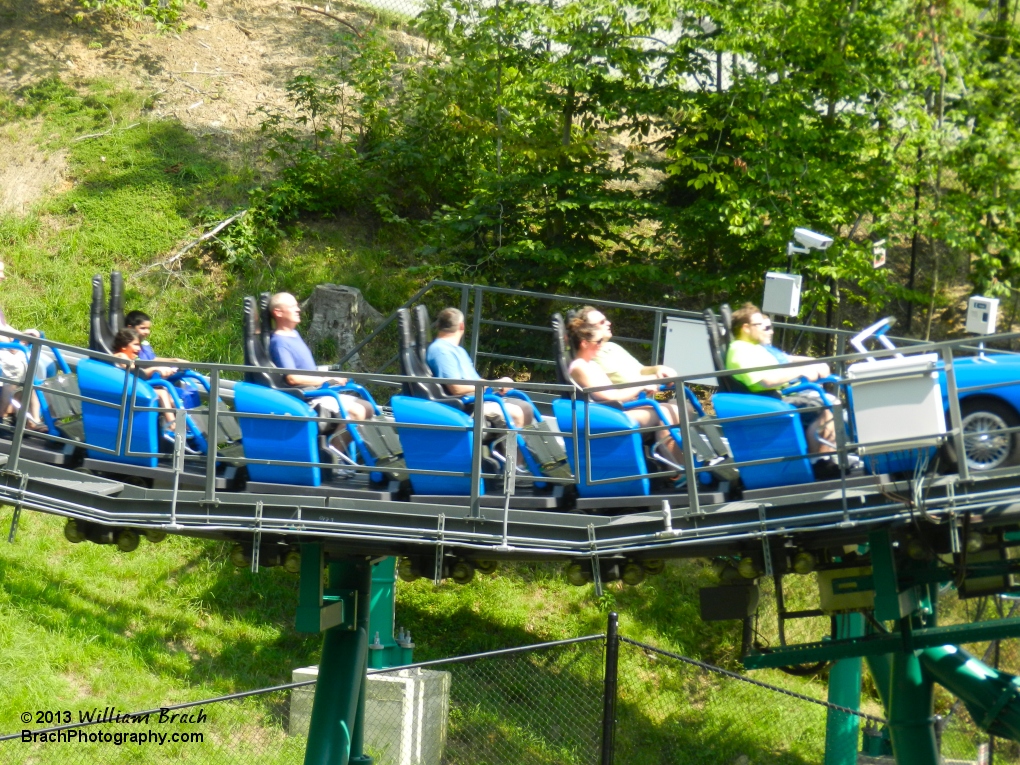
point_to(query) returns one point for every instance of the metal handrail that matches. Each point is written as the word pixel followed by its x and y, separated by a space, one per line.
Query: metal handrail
pixel 660 313
pixel 129 407
pixel 578 430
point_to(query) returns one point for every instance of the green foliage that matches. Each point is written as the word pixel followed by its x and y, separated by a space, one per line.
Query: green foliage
pixel 94 626
pixel 981 212
pixel 166 14
pixel 140 193
pixel 494 150
pixel 667 149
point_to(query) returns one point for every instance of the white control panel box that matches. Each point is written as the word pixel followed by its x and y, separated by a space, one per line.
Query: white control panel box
pixel 687 350
pixel 906 408
pixel 782 294
pixel 981 315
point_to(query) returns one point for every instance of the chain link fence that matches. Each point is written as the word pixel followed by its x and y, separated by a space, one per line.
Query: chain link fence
pixel 537 705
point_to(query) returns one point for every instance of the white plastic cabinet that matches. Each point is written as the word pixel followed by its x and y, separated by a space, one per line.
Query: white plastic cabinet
pixel 897 399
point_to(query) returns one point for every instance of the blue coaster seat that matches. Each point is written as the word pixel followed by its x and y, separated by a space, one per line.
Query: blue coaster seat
pixel 780 435
pixel 424 449
pixel 613 457
pixel 292 440
pixel 105 382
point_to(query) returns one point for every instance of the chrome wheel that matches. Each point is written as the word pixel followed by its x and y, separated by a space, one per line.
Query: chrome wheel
pixel 986 445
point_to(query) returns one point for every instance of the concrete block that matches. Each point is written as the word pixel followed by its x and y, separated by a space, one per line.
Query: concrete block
pixel 406 714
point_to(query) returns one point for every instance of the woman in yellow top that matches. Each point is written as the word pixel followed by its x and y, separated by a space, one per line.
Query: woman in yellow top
pixel 586 340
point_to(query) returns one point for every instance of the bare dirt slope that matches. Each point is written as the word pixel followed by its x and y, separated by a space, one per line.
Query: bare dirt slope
pixel 26 173
pixel 230 59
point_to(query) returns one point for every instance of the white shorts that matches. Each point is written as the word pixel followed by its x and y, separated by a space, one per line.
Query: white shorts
pixel 13 365
pixel 494 413
pixel 326 406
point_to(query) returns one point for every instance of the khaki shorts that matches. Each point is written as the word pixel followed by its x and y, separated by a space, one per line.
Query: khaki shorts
pixel 493 414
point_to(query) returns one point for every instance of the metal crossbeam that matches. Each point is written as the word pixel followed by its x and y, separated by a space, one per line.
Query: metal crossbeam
pixel 877 645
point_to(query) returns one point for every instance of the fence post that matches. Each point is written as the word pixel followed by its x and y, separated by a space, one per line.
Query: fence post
pixel 609 694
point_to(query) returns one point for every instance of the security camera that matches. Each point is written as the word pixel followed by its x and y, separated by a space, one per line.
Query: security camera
pixel 810 240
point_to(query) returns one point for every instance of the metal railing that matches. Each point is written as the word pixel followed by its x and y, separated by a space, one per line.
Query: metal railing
pixel 471 299
pixel 580 434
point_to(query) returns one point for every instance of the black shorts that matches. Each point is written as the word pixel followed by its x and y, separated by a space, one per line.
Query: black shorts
pixel 804 400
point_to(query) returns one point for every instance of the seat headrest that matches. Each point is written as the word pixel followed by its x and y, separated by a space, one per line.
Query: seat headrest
pixel 266 319
pixel 715 342
pixel 405 341
pixel 424 333
pixel 561 351
pixel 115 312
pixel 100 337
pixel 726 330
pixel 256 354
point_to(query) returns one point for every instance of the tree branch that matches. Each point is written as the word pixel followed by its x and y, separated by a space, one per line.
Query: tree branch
pixel 174 259
pixel 349 25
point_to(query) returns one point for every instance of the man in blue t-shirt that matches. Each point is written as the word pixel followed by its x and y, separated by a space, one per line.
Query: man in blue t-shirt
pixel 446 358
pixel 288 351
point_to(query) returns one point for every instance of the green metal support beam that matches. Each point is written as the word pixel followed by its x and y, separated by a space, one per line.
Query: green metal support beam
pixel 992 697
pixel 317 610
pixel 383 649
pixel 335 733
pixel 842 730
pixel 887 643
pixel 366 590
pixel 891 603
pixel 911 719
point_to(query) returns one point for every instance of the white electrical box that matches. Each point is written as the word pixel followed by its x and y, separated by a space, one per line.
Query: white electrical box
pixel 906 408
pixel 981 315
pixel 782 294
pixel 687 350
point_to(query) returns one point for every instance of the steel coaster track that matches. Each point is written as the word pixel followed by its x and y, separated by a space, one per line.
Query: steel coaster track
pixel 392 527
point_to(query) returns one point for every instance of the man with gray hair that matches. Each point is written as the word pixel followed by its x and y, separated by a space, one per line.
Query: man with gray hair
pixel 289 351
pixel 446 358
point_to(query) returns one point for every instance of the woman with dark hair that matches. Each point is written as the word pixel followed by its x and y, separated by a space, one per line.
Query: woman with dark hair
pixel 127 344
pixel 586 340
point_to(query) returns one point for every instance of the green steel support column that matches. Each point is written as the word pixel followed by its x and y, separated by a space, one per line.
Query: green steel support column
pixel 331 733
pixel 992 697
pixel 911 723
pixel 383 650
pixel 842 730
pixel 367 591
